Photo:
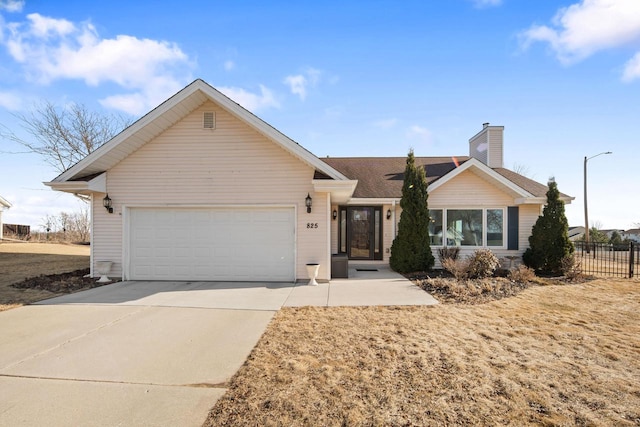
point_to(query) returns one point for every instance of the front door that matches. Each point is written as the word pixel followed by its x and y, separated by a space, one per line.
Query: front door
pixel 363 229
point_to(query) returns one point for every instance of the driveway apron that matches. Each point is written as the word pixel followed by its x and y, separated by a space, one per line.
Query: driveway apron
pixel 124 355
pixel 153 353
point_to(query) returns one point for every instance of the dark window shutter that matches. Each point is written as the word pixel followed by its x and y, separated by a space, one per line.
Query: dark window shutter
pixel 513 214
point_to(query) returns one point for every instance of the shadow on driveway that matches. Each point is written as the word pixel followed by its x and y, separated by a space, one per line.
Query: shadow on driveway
pixel 223 295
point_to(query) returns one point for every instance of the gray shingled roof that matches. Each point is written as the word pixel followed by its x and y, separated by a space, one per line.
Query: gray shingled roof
pixel 382 177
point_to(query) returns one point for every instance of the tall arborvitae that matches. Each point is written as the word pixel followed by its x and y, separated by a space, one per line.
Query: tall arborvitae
pixel 549 242
pixel 411 250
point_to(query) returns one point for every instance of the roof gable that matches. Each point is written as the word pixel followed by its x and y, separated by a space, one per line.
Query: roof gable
pixel 485 172
pixel 170 112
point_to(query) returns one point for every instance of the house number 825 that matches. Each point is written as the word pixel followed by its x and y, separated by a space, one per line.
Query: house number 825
pixel 312 225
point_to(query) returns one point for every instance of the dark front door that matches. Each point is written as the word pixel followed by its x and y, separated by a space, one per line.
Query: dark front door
pixel 364 231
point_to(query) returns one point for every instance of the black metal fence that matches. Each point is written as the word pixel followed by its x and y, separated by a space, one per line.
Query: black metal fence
pixel 607 260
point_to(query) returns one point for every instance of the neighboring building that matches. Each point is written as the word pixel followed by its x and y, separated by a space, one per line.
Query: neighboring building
pixel 609 233
pixel 576 233
pixel 632 234
pixel 4 204
pixel 202 189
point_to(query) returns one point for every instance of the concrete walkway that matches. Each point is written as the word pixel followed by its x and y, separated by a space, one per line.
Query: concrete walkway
pixel 368 284
pixel 153 353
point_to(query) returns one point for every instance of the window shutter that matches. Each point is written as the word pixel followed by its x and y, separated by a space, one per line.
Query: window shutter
pixel 513 214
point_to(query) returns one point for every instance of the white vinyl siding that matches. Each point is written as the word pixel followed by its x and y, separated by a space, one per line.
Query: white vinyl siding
pixel 528 216
pixel 469 189
pixel 229 166
pixel 495 148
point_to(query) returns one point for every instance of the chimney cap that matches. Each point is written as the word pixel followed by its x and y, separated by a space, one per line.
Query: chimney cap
pixel 485 125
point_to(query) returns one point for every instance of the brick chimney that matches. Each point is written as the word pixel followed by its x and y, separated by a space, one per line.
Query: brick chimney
pixel 487 145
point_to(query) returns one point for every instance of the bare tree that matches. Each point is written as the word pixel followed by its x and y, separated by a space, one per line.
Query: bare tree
pixel 65 135
pixel 68 227
pixel 80 224
pixel 521 169
pixel 48 224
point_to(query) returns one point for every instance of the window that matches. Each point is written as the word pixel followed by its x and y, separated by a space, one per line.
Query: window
pixel 495 227
pixel 464 227
pixel 467 227
pixel 435 227
pixel 343 231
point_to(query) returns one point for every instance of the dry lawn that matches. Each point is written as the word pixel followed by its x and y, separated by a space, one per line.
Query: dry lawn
pixel 19 261
pixel 552 355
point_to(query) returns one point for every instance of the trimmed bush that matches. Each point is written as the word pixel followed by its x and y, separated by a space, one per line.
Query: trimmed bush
pixel 571 267
pixel 521 274
pixel 457 267
pixel 448 252
pixel 482 263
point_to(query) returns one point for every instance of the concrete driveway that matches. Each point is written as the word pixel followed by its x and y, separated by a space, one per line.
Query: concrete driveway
pixel 150 353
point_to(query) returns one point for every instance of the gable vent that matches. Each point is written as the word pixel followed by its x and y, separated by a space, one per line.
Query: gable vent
pixel 208 120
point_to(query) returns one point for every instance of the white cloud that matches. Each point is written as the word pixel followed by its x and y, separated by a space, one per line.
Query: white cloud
pixel 229 65
pixel 632 69
pixel 419 133
pixel 589 26
pixel 45 27
pixel 252 101
pixel 313 75
pixel 299 83
pixel 481 4
pixel 52 49
pixel 12 5
pixel 385 124
pixel 10 101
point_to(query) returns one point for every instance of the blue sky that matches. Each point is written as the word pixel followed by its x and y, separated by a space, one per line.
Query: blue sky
pixel 357 78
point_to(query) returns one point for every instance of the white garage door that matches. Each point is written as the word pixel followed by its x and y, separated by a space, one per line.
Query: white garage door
pixel 218 244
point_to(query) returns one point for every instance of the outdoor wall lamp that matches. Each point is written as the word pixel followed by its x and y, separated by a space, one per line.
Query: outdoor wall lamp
pixel 307 202
pixel 389 214
pixel 335 214
pixel 106 202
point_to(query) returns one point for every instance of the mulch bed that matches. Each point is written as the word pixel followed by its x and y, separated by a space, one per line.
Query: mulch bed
pixel 61 283
pixel 446 289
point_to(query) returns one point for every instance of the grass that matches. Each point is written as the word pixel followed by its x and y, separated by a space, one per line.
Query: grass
pixel 551 355
pixel 20 261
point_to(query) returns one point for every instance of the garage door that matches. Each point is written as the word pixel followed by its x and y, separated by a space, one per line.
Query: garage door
pixel 221 244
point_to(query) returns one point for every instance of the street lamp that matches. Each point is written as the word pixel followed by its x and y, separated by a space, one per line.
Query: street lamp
pixel 586 213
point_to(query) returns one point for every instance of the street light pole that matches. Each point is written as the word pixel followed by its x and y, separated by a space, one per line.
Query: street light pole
pixel 586 212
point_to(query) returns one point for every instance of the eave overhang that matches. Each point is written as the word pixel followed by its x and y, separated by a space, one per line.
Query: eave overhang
pixel 340 190
pixel 541 200
pixel 95 185
pixel 4 203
